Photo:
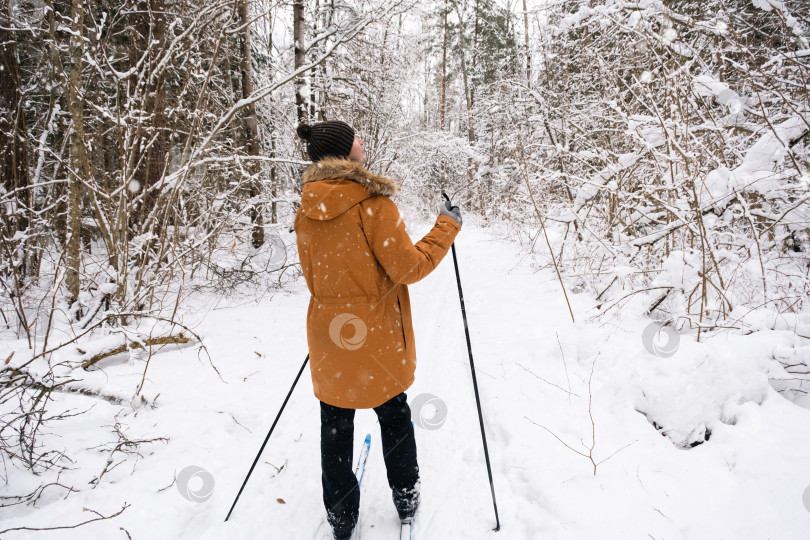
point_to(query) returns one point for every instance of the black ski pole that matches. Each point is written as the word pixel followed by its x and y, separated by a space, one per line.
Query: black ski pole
pixel 300 371
pixel 475 382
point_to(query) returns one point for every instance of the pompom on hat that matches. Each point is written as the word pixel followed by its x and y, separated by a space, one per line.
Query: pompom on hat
pixel 327 139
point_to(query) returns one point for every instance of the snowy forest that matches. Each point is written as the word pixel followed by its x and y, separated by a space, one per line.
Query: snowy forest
pixel 634 178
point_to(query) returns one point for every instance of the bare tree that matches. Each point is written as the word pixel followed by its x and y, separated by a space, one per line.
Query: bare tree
pixel 13 134
pixel 79 170
pixel 299 38
pixel 147 88
pixel 526 43
pixel 251 125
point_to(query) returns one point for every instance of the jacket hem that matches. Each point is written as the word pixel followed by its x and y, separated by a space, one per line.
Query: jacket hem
pixel 366 404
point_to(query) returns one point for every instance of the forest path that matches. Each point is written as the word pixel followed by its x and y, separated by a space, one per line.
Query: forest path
pixel 512 314
pixel 521 332
pixel 746 482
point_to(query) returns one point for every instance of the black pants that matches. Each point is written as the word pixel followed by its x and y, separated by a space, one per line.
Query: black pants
pixel 340 494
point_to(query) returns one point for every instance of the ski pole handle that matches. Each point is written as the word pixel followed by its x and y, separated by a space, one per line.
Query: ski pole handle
pixel 451 211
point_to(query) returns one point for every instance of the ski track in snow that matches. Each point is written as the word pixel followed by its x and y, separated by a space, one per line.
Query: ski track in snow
pixel 746 482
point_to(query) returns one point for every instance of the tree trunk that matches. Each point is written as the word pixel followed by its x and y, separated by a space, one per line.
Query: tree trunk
pixel 444 66
pixel 273 182
pixel 56 77
pixel 526 42
pixel 271 134
pixel 78 152
pixel 148 87
pixel 315 78
pixel 327 11
pixel 13 136
pixel 464 75
pixel 474 53
pixel 442 114
pixel 251 126
pixel 302 111
pixel 467 94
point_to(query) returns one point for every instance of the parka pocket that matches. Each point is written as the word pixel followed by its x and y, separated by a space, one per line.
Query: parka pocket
pixel 401 323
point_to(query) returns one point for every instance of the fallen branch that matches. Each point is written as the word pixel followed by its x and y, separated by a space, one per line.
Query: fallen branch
pixel 126 314
pixel 125 446
pixel 33 497
pixel 631 293
pixel 179 338
pixel 101 517
pixel 69 389
pixel 659 301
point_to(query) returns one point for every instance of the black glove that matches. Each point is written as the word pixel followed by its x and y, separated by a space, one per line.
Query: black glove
pixel 451 212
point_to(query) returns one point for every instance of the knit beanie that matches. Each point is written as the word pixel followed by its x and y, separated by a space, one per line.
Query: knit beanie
pixel 324 139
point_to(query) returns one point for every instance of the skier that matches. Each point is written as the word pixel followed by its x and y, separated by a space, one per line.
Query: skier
pixel 358 260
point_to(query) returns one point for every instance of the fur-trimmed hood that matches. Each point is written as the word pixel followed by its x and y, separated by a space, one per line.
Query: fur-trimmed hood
pixel 326 193
pixel 336 168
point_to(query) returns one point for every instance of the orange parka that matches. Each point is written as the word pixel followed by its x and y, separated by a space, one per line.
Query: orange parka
pixel 357 260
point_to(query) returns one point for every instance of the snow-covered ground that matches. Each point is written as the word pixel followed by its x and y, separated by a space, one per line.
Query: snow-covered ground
pixel 746 481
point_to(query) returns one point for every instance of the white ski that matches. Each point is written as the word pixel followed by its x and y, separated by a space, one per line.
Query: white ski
pixel 406 530
pixel 360 473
